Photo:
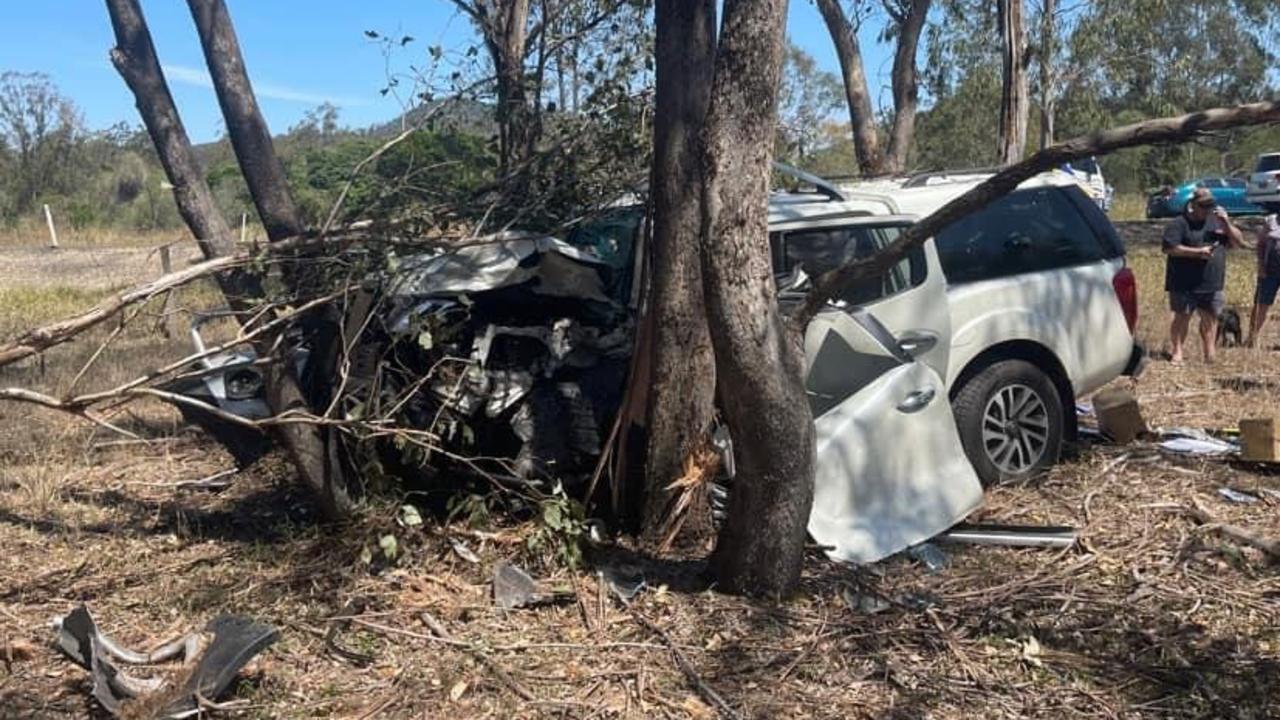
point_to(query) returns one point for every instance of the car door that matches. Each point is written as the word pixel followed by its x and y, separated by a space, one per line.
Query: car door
pixel 911 299
pixel 890 470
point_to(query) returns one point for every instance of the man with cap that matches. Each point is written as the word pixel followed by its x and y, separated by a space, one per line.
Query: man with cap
pixel 1195 246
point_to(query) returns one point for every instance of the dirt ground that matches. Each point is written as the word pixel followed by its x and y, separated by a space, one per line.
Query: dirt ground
pixel 1149 616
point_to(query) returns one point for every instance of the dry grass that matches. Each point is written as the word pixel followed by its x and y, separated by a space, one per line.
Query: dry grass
pixel 1147 617
pixel 1128 206
pixel 33 233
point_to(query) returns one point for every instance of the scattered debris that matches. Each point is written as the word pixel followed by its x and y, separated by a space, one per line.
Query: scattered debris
pixel 1270 546
pixel 1011 535
pixel 1237 496
pixel 1193 441
pixel 512 587
pixel 461 550
pixel 625 581
pixel 208 665
pixel 931 556
pixel 864 603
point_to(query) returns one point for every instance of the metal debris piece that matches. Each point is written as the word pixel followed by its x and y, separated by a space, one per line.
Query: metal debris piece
pixel 236 640
pixel 1236 496
pixel 624 581
pixel 864 603
pixel 1011 535
pixel 512 587
pixel 931 556
pixel 461 550
pixel 1193 441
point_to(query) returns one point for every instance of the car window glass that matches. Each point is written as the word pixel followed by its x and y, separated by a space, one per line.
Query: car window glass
pixel 1212 183
pixel 1268 163
pixel 1025 231
pixel 818 251
pixel 1236 183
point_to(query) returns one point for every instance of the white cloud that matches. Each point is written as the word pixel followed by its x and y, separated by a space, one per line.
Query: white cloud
pixel 198 77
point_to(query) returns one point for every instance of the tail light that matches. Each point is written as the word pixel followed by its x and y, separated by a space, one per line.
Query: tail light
pixel 1126 286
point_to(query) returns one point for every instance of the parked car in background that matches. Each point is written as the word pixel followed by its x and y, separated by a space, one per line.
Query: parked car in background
pixel 1231 193
pixel 1264 183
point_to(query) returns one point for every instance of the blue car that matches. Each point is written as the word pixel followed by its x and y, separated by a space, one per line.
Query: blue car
pixel 1229 192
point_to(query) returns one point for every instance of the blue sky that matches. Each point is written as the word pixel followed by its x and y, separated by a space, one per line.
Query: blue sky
pixel 300 53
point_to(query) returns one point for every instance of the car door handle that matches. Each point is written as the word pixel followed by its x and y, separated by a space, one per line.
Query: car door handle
pixel 917 401
pixel 917 343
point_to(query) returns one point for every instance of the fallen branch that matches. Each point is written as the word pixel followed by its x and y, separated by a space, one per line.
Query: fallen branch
pixel 498 671
pixel 1267 545
pixel 707 692
pixel 1148 132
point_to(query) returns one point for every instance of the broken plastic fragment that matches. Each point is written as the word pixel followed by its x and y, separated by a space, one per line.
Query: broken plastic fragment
pixel 931 556
pixel 1236 496
pixel 512 587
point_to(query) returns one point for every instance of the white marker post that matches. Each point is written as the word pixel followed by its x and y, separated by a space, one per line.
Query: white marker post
pixel 53 231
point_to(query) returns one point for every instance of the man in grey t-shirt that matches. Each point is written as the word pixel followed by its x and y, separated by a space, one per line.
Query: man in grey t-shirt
pixel 1195 245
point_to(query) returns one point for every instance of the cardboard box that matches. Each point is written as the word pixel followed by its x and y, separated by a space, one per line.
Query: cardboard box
pixel 1260 441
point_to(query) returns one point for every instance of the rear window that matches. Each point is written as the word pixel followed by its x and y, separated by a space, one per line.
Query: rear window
pixel 1268 163
pixel 816 251
pixel 1023 232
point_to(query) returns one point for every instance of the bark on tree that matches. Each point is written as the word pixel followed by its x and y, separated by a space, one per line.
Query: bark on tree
pixel 759 364
pixel 250 137
pixel 866 140
pixel 1048 49
pixel 1013 89
pixel 682 394
pixel 1148 132
pixel 503 26
pixel 135 58
pixel 906 82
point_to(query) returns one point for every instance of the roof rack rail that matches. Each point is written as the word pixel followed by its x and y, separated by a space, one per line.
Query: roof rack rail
pixel 822 186
pixel 922 179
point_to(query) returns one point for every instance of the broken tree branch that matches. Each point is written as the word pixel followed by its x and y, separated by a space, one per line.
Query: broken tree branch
pixel 1267 545
pixel 1149 132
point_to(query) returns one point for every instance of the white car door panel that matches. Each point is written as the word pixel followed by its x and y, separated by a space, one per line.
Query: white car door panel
pixel 890 469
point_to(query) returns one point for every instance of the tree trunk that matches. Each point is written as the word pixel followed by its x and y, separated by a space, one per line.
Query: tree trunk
pixel 1048 50
pixel 135 58
pixel 866 141
pixel 1013 89
pixel 759 364
pixel 682 394
pixel 906 82
pixel 250 138
pixel 505 37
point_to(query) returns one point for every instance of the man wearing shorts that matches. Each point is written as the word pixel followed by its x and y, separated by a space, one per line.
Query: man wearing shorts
pixel 1268 272
pixel 1195 246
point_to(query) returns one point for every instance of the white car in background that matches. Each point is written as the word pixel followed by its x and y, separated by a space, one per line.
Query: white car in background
pixel 976 346
pixel 1264 183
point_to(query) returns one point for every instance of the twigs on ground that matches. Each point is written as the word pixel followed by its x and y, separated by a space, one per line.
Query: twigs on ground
pixel 1267 545
pixel 707 692
pixel 498 671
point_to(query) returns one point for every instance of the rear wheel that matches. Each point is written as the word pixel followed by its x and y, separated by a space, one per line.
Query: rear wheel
pixel 1010 420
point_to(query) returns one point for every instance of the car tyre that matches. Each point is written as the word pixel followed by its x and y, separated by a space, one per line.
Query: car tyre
pixel 1010 420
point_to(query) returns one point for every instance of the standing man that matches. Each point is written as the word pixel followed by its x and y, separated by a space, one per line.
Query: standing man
pixel 1268 272
pixel 1195 245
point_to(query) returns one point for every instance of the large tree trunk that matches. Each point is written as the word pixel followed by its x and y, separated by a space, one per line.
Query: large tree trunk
pixel 250 137
pixel 135 58
pixel 682 394
pixel 759 363
pixel 906 82
pixel 1048 51
pixel 506 37
pixel 866 141
pixel 1013 89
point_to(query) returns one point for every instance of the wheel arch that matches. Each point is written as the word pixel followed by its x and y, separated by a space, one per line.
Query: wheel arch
pixel 1036 354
